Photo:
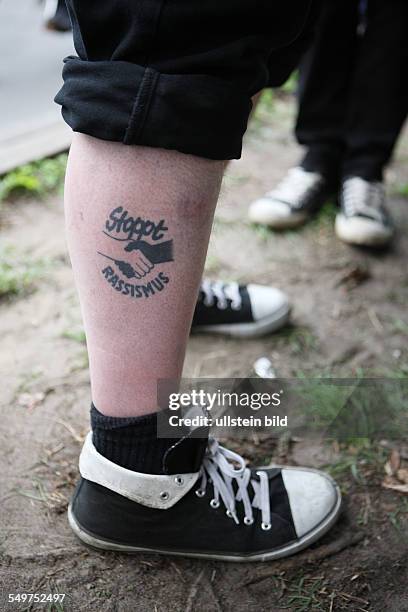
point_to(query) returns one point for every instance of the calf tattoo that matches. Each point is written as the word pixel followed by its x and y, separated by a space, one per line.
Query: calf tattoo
pixel 145 250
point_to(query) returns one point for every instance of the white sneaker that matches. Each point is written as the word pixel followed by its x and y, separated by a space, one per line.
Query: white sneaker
pixel 363 219
pixel 293 201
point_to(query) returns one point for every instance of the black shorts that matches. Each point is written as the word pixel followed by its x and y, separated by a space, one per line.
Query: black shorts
pixel 177 74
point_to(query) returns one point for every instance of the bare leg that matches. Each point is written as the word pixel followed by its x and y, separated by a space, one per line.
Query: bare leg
pixel 137 325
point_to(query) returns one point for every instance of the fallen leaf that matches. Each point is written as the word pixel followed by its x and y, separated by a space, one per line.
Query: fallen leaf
pixel 393 463
pixel 402 475
pixel 401 488
pixel 395 460
pixel 390 482
pixel 31 400
pixel 353 276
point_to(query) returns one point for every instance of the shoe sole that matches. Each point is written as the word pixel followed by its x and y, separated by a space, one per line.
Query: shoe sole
pixel 281 223
pixel 256 329
pixel 292 221
pixel 360 236
pixel 285 551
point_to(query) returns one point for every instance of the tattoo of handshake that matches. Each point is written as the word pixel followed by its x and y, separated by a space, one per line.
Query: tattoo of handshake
pixel 142 254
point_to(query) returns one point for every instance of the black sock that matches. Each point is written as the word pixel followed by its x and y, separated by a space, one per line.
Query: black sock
pixel 132 443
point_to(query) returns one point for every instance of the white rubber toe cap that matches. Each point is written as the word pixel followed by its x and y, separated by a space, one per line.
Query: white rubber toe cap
pixel 275 213
pixel 314 500
pixel 358 230
pixel 267 302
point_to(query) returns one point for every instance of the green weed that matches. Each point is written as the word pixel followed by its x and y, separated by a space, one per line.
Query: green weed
pixel 300 339
pixel 18 271
pixel 36 179
pixel 399 326
pixel 402 190
pixel 305 593
pixel 326 215
pixel 78 335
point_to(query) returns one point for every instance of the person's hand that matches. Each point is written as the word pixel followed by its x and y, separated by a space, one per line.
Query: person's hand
pixel 152 253
pixel 140 264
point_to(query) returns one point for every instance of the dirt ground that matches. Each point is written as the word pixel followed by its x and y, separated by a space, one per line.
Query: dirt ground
pixel 349 318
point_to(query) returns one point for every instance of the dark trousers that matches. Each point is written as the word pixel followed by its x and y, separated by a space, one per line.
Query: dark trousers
pixel 353 93
pixel 177 74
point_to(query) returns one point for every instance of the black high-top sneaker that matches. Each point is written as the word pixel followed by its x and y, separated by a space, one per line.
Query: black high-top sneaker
pixel 293 201
pixel 245 311
pixel 207 504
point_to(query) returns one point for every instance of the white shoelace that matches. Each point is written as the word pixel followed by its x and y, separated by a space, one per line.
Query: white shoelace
pixel 293 188
pixel 218 471
pixel 219 293
pixel 362 197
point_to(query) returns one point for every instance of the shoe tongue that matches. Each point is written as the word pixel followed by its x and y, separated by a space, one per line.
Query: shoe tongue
pixel 187 454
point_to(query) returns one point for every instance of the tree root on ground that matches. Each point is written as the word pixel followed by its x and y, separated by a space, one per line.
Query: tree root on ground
pixel 309 557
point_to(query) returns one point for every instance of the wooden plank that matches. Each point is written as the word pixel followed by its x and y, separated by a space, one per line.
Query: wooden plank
pixel 23 148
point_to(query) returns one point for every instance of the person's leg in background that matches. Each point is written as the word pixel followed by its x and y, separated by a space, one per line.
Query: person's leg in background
pixel 324 80
pixel 377 108
pixel 56 16
pixel 325 77
pixel 139 212
pixel 378 100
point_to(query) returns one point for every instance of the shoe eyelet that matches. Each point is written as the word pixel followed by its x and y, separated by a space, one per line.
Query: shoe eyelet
pixel 179 481
pixel 229 513
pixel 248 520
pixel 266 526
pixel 214 503
pixel 200 493
pixel 164 495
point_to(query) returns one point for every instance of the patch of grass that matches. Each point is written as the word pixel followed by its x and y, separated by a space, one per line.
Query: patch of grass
pixel 396 297
pixel 400 370
pixel 212 264
pixel 18 271
pixel 221 223
pixel 262 114
pixel 291 84
pixel 399 516
pixel 78 335
pixel 321 401
pixel 300 339
pixel 305 593
pixel 234 180
pixel 104 593
pixel 81 362
pixel 28 379
pixel 326 215
pixel 263 232
pixel 399 326
pixel 55 606
pixel 355 411
pixel 266 103
pixel 402 190
pixel 36 179
pixel 356 458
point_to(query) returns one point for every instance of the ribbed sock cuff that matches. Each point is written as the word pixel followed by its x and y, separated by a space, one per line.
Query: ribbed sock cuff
pixel 130 442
